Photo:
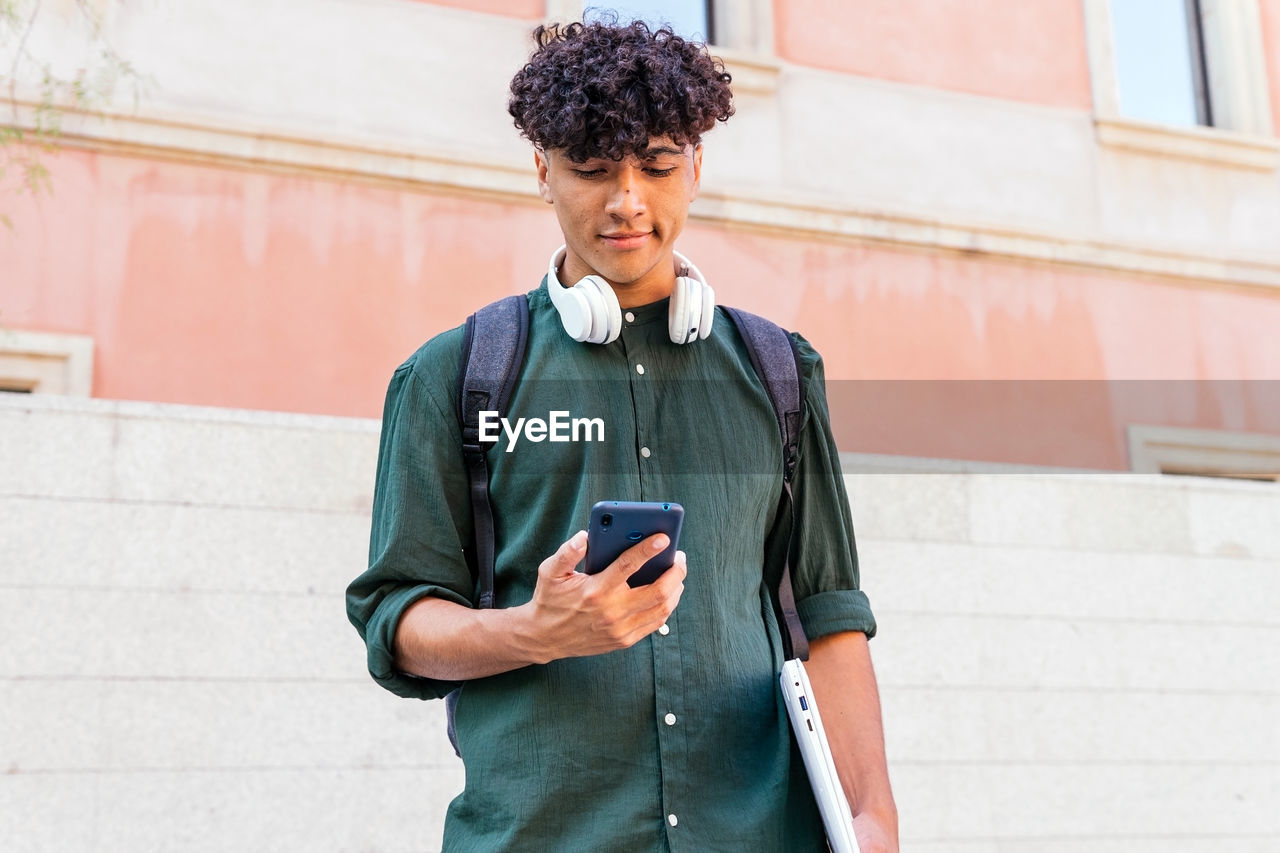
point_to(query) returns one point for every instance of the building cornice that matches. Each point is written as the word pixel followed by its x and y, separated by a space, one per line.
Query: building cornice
pixel 193 139
pixel 775 213
pixel 1203 144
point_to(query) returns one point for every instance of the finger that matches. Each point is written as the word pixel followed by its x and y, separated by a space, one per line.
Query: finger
pixel 566 558
pixel 673 582
pixel 653 617
pixel 636 556
pixel 671 579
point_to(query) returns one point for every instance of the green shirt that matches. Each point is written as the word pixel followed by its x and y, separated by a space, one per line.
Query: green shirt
pixel 680 742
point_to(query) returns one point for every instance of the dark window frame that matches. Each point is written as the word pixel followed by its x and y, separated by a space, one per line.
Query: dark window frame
pixel 709 7
pixel 1199 68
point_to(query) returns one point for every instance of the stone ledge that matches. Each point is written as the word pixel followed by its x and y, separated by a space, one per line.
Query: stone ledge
pixel 183 412
pixel 213 141
pixel 1204 144
pixel 753 73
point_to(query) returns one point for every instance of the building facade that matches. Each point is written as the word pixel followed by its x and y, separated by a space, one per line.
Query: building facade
pixel 280 206
pixel 1009 266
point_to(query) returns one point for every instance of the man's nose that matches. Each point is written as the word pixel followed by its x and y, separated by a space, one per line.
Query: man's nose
pixel 626 196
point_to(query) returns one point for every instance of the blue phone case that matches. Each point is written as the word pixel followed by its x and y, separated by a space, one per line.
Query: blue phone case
pixel 619 525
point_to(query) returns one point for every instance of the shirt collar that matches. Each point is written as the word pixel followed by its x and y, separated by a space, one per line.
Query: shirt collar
pixel 650 313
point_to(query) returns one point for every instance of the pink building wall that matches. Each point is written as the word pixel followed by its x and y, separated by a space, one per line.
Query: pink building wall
pixel 529 9
pixel 1031 52
pixel 232 288
pixel 235 288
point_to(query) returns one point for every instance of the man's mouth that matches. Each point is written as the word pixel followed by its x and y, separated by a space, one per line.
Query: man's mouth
pixel 626 239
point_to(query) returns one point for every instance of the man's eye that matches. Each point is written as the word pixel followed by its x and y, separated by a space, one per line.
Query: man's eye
pixel 588 173
pixel 660 173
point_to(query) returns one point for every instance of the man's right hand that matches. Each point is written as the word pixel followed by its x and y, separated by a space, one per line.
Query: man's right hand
pixel 571 615
pixel 574 614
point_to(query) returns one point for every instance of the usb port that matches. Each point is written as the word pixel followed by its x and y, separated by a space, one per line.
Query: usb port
pixel 804 704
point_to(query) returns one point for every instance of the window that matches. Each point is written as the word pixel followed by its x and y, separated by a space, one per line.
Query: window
pixel 1182 78
pixel 36 362
pixel 1159 59
pixel 1204 453
pixel 745 27
pixel 741 31
pixel 692 19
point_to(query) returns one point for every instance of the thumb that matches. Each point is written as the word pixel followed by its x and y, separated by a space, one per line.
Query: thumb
pixel 566 558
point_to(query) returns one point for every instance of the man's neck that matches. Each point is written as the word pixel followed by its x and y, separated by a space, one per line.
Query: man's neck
pixel 642 293
pixel 658 283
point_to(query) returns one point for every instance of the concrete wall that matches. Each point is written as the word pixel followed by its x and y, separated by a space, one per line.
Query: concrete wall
pixel 1067 662
pixel 176 669
pixel 1077 662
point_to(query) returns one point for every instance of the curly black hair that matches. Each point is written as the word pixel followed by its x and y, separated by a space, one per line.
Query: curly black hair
pixel 603 90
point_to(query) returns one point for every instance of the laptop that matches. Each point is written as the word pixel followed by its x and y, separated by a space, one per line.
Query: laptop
pixel 807 725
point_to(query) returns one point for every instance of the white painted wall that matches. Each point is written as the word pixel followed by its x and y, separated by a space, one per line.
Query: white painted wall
pixel 1068 663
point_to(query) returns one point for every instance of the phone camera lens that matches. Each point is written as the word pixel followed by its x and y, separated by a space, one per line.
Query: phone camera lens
pixel 606 519
pixel 666 506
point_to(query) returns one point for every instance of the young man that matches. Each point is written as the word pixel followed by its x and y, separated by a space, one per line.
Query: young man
pixel 594 715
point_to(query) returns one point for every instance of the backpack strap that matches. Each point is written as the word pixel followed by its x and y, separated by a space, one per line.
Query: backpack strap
pixel 777 362
pixel 493 349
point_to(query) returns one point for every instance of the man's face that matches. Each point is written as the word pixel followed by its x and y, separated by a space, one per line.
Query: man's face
pixel 621 218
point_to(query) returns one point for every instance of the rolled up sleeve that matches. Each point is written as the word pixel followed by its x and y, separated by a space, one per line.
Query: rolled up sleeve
pixel 379 637
pixel 421 516
pixel 825 570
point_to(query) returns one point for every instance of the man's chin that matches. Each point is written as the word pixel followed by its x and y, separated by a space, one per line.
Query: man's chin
pixel 617 277
pixel 624 267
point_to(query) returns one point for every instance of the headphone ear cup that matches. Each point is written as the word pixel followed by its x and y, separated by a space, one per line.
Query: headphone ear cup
pixel 606 315
pixel 678 313
pixel 693 311
pixel 612 310
pixel 708 317
pixel 575 313
pixel 595 311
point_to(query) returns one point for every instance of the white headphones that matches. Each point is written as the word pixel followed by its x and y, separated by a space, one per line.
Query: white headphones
pixel 590 312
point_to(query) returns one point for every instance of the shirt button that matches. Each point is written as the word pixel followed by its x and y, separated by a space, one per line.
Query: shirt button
pixel 671 819
pixel 640 369
pixel 663 629
pixel 629 317
pixel 644 451
pixel 669 719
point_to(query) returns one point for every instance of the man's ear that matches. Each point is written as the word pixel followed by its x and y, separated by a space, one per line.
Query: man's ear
pixel 697 171
pixel 544 188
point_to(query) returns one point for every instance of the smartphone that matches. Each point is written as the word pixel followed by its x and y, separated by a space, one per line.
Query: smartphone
pixel 619 525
